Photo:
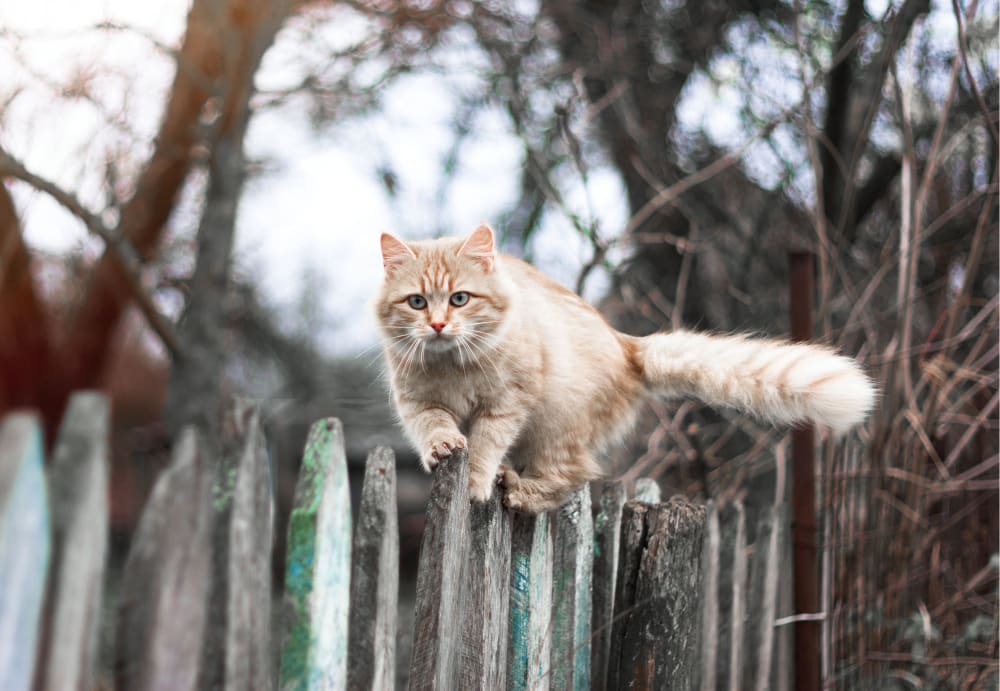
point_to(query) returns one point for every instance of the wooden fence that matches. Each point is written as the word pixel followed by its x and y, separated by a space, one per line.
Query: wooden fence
pixel 637 594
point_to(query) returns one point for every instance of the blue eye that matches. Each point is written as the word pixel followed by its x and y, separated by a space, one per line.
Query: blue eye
pixel 459 299
pixel 417 302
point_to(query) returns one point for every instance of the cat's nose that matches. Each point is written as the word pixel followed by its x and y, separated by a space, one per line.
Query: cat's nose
pixel 438 326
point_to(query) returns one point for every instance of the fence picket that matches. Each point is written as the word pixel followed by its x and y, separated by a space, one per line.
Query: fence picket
pixel 237 654
pixel 375 578
pixel 443 551
pixel 487 593
pixel 529 644
pixel 632 539
pixel 572 571
pixel 78 495
pixel 166 580
pixel 607 530
pixel 24 547
pixel 317 582
pixel 738 603
pixel 764 578
pixel 659 637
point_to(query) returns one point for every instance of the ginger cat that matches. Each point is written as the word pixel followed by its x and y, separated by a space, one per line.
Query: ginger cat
pixel 486 351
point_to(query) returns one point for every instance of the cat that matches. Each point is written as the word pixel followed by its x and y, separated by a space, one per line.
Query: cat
pixel 486 351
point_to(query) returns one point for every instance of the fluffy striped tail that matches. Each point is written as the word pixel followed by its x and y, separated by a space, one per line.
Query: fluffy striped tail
pixel 772 380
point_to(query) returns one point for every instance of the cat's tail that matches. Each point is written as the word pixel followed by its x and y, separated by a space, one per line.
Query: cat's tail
pixel 773 380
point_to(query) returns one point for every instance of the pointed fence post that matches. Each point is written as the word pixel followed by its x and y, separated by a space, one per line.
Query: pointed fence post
pixel 572 573
pixel 607 531
pixel 78 494
pixel 24 547
pixel 443 551
pixel 165 584
pixel 529 647
pixel 237 653
pixel 317 581
pixel 375 578
pixel 485 619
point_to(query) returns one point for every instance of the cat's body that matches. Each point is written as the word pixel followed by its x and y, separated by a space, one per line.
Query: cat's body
pixel 485 350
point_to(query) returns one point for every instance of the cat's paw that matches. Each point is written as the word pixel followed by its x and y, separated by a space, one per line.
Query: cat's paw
pixel 510 482
pixel 440 445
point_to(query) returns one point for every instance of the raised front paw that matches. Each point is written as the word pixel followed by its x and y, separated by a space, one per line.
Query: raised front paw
pixel 440 445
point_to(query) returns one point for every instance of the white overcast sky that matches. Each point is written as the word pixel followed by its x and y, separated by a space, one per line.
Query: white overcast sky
pixel 319 209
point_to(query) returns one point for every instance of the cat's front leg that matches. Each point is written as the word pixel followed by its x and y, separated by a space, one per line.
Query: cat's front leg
pixel 490 436
pixel 433 429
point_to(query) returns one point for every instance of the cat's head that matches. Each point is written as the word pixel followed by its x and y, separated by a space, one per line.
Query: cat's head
pixel 442 296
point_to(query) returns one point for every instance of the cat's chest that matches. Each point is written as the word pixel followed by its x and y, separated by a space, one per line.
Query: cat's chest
pixel 467 392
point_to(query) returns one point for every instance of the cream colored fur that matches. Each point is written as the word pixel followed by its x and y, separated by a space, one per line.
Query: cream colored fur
pixel 534 381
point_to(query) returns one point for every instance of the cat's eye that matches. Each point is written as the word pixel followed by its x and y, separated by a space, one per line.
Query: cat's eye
pixel 459 299
pixel 417 302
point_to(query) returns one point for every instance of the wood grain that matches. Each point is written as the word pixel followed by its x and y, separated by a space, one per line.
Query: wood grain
pixel 572 573
pixel 483 655
pixel 443 551
pixel 607 531
pixel 375 578
pixel 659 641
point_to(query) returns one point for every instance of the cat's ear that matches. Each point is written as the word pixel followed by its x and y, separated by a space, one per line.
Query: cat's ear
pixel 395 253
pixel 481 246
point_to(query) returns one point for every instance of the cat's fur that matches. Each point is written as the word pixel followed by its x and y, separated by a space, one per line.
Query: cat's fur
pixel 529 375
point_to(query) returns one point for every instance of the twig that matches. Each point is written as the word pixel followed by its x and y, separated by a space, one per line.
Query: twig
pixel 120 248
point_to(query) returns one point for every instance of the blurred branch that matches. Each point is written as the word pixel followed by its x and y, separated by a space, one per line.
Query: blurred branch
pixel 24 333
pixel 123 252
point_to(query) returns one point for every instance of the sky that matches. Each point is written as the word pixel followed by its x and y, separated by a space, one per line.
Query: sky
pixel 311 220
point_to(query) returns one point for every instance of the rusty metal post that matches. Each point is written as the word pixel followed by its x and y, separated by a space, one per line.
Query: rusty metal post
pixel 806 564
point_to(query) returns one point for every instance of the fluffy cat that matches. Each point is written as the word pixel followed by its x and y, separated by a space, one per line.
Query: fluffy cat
pixel 486 351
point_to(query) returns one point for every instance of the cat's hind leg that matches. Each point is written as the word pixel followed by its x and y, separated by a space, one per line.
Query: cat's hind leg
pixel 546 488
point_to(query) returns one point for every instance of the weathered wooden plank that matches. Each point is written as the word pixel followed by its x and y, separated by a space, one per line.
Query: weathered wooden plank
pixel 632 543
pixel 237 654
pixel 317 581
pixel 375 578
pixel 443 551
pixel 572 571
pixel 529 648
pixel 607 531
pixel 660 638
pixel 166 579
pixel 647 490
pixel 24 547
pixel 710 598
pixel 78 492
pixel 738 608
pixel 765 568
pixel 483 656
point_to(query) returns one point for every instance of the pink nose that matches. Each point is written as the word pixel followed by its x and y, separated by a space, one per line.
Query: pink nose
pixel 438 326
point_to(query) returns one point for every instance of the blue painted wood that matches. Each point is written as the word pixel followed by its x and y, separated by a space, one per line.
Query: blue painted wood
pixel 24 547
pixel 319 566
pixel 529 648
